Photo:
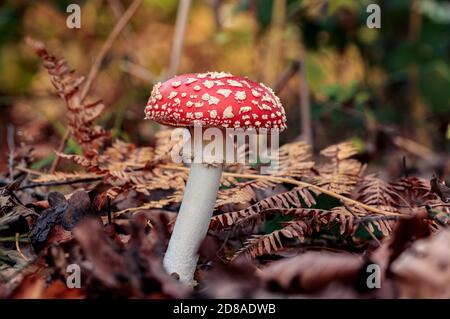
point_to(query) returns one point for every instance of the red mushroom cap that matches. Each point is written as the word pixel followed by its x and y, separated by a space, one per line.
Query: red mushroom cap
pixel 215 99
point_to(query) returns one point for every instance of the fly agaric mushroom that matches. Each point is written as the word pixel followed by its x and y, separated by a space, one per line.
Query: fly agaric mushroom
pixel 212 99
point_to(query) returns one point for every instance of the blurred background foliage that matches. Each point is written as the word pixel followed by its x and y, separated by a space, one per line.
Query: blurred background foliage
pixel 388 89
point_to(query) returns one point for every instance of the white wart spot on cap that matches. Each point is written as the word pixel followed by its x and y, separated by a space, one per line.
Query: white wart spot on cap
pixel 255 93
pixel 228 113
pixel 224 92
pixel 246 83
pixel 213 114
pixel 245 109
pixel 240 95
pixel 198 115
pixel 213 100
pixel 267 98
pixel 208 84
pixel 218 75
pixel 176 84
pixel 234 83
pixel 191 80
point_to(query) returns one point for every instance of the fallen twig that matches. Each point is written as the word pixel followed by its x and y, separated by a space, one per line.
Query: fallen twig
pixel 178 38
pixel 11 149
pixel 120 25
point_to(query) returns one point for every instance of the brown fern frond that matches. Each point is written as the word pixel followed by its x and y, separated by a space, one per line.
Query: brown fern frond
pixel 341 173
pixel 80 116
pixel 259 245
pixel 345 218
pixel 241 194
pixel 174 198
pixel 305 221
pixel 383 223
pixel 294 160
pixel 123 165
pixel 340 176
pixel 290 199
pixel 62 177
pixel 416 191
pixel 316 217
pixel 89 164
pixel 363 217
pixel 376 192
pixel 166 144
pixel 341 151
pixel 122 156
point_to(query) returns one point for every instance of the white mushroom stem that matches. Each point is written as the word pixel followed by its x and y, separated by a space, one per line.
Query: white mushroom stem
pixel 193 220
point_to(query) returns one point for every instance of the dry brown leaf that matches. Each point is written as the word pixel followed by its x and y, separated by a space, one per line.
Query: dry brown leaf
pixel 423 270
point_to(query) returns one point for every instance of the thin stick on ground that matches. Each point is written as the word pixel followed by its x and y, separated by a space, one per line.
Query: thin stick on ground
pixel 284 78
pixel 120 25
pixel 298 183
pixel 305 108
pixel 178 38
pixel 283 180
pixel 61 147
pixel 237 175
pixel 18 248
pixel 56 183
pixel 11 150
pixel 118 9
pixel 109 211
pixel 350 210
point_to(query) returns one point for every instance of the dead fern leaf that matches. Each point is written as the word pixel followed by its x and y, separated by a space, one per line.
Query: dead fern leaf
pixel 292 198
pixel 305 221
pixel 376 192
pixel 80 115
pixel 340 151
pixel 62 177
pixel 294 160
pixel 414 190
